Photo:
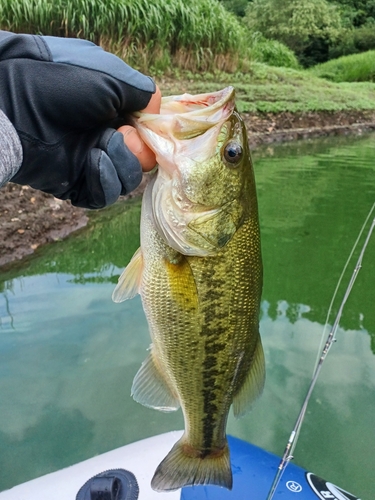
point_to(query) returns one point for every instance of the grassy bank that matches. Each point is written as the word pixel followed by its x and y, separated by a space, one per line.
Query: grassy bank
pixel 352 68
pixel 267 89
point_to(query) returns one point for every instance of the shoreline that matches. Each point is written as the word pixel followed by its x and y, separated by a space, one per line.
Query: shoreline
pixel 258 139
pixel 30 218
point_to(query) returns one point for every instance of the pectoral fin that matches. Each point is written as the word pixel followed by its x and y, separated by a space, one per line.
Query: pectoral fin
pixel 130 280
pixel 151 389
pixel 253 385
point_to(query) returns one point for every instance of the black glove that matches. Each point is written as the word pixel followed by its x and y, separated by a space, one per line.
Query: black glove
pixel 65 98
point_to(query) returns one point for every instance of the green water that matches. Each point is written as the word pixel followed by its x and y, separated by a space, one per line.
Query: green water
pixel 68 354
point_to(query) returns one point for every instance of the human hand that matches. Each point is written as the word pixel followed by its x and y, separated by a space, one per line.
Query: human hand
pixel 66 98
pixel 134 141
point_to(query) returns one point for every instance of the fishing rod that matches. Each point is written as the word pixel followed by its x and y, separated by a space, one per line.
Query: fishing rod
pixel 292 442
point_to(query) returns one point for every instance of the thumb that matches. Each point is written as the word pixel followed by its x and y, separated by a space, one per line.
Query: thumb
pixel 137 146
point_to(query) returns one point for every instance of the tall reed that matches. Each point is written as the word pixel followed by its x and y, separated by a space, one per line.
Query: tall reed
pixel 199 35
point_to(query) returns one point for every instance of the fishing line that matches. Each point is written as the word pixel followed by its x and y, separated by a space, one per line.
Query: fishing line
pixel 292 442
pixel 339 283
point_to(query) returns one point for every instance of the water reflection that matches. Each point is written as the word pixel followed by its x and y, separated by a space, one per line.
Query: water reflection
pixel 68 354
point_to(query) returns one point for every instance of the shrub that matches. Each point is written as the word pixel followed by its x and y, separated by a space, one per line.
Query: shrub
pixel 272 52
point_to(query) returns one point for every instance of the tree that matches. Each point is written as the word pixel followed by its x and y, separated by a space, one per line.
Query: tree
pixel 357 12
pixel 238 7
pixel 306 26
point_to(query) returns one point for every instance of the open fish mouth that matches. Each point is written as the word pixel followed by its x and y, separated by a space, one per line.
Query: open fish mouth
pixel 187 103
pixel 187 116
pixel 187 128
pixel 221 101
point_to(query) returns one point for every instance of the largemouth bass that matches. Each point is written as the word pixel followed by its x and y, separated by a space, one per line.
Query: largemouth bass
pixel 199 274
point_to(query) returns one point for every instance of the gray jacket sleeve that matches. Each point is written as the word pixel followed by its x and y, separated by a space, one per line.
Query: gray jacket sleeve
pixel 10 150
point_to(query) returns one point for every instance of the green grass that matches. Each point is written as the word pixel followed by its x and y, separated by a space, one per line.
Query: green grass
pixel 352 68
pixel 270 89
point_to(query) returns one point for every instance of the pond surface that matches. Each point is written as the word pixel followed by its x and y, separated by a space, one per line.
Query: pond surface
pixel 68 354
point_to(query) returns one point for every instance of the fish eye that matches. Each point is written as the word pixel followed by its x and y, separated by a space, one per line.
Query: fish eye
pixel 233 153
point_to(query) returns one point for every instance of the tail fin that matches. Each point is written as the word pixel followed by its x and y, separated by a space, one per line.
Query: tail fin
pixel 181 468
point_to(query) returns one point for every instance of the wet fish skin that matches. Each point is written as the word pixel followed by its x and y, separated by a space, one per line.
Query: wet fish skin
pixel 202 305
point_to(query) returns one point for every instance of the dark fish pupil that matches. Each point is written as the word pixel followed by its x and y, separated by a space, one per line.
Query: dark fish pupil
pixel 233 153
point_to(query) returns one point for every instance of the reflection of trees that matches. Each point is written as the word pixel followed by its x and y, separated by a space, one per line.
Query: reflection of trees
pixel 294 312
pixel 110 239
pixel 8 311
pixel 82 279
pixel 5 287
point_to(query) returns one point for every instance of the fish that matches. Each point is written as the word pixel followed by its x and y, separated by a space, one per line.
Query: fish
pixel 199 274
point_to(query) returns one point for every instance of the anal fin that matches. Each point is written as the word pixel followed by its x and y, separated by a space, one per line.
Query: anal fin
pixel 253 385
pixel 151 389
